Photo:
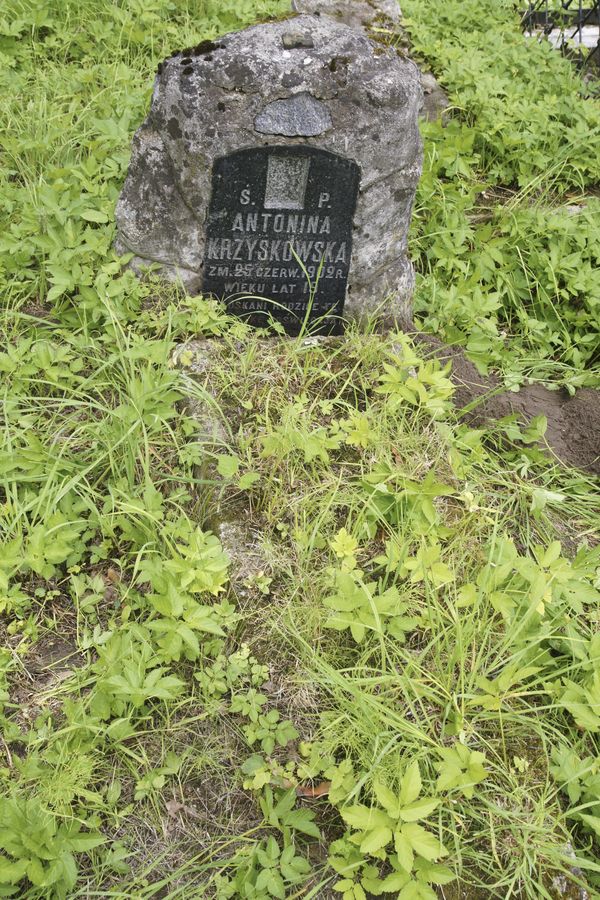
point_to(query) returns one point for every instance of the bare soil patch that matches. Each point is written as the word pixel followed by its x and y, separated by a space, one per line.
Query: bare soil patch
pixel 573 433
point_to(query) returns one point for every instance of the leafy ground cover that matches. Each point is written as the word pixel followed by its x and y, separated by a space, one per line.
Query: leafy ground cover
pixel 351 648
pixel 507 229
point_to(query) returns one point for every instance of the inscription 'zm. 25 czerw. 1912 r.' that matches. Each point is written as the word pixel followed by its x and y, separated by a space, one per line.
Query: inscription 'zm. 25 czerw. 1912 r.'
pixel 279 234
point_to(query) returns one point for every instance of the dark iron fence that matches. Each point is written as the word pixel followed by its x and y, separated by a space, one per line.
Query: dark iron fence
pixel 574 26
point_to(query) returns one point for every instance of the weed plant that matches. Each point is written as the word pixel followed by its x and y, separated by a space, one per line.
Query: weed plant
pixel 507 230
pixel 346 648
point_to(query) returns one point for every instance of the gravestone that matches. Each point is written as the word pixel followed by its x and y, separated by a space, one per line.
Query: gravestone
pixel 276 170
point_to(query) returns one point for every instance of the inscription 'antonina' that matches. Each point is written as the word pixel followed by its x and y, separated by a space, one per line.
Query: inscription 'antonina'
pixel 280 223
pixel 283 205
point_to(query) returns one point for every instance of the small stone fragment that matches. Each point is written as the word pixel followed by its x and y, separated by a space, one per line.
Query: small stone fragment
pixel 294 40
pixel 301 115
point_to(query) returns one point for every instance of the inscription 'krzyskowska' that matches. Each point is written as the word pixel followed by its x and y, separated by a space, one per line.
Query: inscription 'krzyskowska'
pixel 279 234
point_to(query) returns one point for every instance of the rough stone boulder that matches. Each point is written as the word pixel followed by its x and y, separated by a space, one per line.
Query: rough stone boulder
pixel 306 82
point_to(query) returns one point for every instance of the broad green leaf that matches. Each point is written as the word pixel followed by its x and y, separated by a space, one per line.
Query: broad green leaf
pixel 228 466
pixel 247 480
pixel 410 786
pixel 365 818
pixel 357 631
pixel 387 798
pixel 420 809
pixel 394 882
pixel 203 619
pixel 416 890
pixel 94 215
pixel 302 820
pixel 450 775
pixel 422 841
pixel 345 884
pixel 541 497
pixel 271 880
pixel 404 849
pixel 82 842
pixel 433 873
pixel 36 873
pixel 467 596
pixel 376 839
pixel 551 554
pixel 12 872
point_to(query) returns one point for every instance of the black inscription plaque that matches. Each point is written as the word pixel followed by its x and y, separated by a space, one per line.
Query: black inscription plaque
pixel 279 235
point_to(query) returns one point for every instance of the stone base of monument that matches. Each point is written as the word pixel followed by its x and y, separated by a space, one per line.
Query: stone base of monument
pixel 276 170
pixel 242 544
pixel 197 359
pixel 217 422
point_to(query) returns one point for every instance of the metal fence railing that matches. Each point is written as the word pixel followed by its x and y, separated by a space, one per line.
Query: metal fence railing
pixel 572 25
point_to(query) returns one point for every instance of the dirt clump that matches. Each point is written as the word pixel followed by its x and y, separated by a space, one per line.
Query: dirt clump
pixel 573 433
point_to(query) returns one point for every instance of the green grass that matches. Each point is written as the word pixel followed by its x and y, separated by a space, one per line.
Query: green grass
pixel 345 644
pixel 506 233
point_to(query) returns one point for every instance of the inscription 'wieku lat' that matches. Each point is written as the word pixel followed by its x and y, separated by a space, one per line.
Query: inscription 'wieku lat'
pixel 279 235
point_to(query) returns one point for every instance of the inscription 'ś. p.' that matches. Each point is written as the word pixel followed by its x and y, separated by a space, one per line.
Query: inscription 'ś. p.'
pixel 279 235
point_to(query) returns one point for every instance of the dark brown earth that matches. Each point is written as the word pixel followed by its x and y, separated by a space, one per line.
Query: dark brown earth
pixel 573 433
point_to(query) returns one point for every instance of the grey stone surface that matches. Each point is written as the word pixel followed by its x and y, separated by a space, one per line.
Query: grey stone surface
pixel 435 100
pixel 356 13
pixel 196 359
pixel 242 544
pixel 293 40
pixel 298 116
pixel 204 106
